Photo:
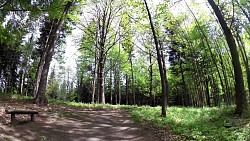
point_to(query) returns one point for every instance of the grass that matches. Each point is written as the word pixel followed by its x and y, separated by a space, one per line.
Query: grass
pixel 15 96
pixel 90 105
pixel 196 123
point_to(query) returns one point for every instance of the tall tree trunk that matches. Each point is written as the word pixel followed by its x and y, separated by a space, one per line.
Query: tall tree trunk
pixel 116 91
pixel 216 98
pixel 21 81
pixel 104 20
pixel 38 75
pixel 160 64
pixel 184 87
pixel 151 79
pixel 244 58
pixel 241 101
pixel 127 95
pixel 94 79
pixel 164 71
pixel 110 79
pixel 207 89
pixel 101 75
pixel 41 98
pixel 119 86
pixel 132 75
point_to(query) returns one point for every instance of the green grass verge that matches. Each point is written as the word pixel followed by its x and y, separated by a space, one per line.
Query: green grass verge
pixel 196 123
pixel 90 105
pixel 15 96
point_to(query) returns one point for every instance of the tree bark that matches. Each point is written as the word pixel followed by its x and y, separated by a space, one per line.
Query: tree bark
pixel 241 101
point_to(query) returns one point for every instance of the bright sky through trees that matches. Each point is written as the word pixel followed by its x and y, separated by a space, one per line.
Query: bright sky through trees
pixel 72 45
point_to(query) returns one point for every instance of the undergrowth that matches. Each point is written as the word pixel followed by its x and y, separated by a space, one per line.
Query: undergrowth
pixel 196 123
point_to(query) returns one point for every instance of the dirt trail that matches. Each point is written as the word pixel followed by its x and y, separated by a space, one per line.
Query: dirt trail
pixel 66 124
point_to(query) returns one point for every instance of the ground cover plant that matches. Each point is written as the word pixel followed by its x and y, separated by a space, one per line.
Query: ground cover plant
pixel 197 123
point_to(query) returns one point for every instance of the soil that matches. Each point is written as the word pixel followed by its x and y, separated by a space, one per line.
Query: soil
pixel 64 123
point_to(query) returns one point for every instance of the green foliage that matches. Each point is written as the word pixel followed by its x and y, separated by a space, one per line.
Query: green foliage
pixel 196 123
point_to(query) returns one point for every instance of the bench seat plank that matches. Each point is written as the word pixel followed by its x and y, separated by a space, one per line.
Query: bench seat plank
pixel 21 112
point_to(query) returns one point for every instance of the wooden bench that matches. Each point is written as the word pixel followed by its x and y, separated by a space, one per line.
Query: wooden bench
pixel 14 112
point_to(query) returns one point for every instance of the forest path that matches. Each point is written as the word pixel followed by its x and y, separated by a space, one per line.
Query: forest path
pixel 56 122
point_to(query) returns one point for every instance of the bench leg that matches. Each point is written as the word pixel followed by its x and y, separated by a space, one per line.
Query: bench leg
pixel 32 116
pixel 13 119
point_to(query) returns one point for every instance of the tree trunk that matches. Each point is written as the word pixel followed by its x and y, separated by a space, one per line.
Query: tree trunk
pixel 38 76
pixel 164 71
pixel 207 89
pixel 244 58
pixel 160 64
pixel 119 86
pixel 241 101
pixel 21 81
pixel 49 51
pixel 110 79
pixel 151 79
pixel 116 91
pixel 184 87
pixel 101 75
pixel 127 96
pixel 132 75
pixel 94 80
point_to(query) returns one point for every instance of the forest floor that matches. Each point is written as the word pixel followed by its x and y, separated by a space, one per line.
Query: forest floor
pixel 59 122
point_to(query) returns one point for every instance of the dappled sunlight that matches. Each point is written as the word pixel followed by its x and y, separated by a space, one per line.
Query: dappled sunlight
pixel 16 133
pixel 71 123
pixel 89 124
